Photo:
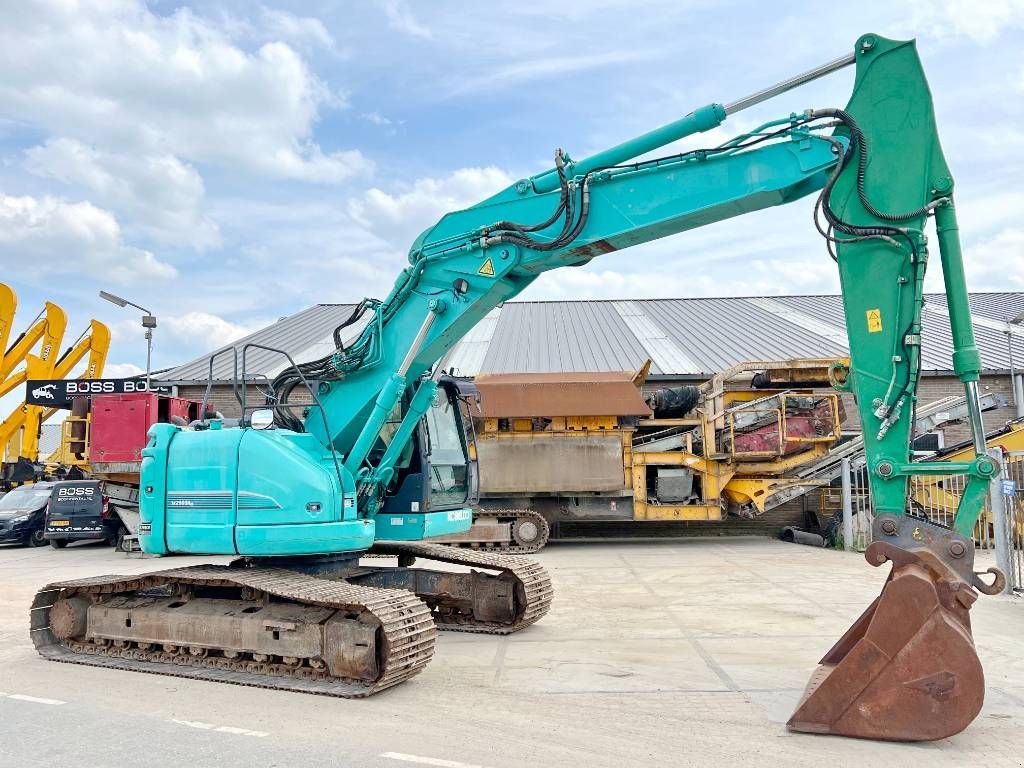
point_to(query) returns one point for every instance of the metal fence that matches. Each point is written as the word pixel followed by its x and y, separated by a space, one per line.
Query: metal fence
pixel 937 499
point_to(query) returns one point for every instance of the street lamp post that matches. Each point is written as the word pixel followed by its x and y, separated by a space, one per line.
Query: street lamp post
pixel 148 322
pixel 1012 327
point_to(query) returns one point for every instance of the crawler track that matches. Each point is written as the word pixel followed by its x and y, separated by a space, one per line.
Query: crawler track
pixel 532 584
pixel 513 546
pixel 405 623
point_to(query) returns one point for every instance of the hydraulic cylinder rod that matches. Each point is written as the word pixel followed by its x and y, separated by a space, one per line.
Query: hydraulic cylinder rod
pixel 698 121
pixel 787 85
pixel 387 399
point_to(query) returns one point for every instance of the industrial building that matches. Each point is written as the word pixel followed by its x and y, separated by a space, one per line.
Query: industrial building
pixel 687 340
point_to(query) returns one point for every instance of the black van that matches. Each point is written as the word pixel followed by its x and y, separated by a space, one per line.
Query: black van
pixel 78 510
pixel 22 512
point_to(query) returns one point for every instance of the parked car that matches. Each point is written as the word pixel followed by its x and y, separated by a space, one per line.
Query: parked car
pixel 78 510
pixel 23 513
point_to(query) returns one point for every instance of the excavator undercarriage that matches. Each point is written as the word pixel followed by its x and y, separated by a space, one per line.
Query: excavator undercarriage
pixel 336 627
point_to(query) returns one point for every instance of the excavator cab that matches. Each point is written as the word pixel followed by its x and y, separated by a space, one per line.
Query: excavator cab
pixel 437 470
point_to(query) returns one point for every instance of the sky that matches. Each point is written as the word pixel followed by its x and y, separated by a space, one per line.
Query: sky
pixel 227 163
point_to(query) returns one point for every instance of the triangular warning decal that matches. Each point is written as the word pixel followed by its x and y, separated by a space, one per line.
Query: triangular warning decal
pixel 487 268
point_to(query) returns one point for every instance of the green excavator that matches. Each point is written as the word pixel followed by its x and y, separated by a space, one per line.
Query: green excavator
pixel 378 458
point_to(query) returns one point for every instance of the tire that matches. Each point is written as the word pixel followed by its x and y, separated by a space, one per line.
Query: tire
pixel 58 543
pixel 37 538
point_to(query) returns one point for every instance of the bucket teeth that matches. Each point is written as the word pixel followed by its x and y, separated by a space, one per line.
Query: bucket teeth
pixel 907 669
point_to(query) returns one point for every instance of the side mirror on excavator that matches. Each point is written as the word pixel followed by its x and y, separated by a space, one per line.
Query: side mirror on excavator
pixel 262 419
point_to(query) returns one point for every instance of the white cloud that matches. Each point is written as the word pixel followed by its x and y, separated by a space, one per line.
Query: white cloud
pixel 59 237
pixel 203 330
pixel 400 217
pixel 402 19
pixel 121 370
pixel 376 118
pixel 546 67
pixel 117 75
pixel 159 193
pixel 685 278
pixel 996 263
pixel 981 22
pixel 302 30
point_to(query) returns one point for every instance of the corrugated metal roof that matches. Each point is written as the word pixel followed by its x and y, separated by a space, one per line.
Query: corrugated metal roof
pixel 300 335
pixel 539 337
pixel 663 351
pixel 467 357
pixel 681 336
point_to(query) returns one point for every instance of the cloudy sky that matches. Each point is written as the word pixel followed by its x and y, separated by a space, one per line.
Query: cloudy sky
pixel 229 162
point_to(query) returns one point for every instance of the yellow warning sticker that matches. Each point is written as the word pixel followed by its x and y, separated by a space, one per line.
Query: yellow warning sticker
pixel 487 268
pixel 874 320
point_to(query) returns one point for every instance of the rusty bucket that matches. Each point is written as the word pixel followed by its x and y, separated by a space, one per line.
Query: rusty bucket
pixel 907 669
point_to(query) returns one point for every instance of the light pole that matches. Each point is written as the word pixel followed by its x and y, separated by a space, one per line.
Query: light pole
pixel 148 322
pixel 1012 327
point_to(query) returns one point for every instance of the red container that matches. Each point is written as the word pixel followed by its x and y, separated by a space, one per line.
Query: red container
pixel 120 423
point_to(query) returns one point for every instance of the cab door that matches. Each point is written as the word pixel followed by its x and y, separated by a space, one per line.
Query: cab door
pixel 451 473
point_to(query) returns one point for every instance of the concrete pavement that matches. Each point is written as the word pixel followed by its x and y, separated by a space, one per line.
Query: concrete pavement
pixel 676 652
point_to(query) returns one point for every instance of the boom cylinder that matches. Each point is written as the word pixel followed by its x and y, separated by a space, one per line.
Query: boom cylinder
pixel 418 406
pixel 388 398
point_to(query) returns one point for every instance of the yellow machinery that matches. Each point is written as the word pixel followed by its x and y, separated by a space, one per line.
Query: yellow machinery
pixel 47 330
pixel 582 447
pixel 74 433
pixel 8 305
pixel 939 495
pixel 38 348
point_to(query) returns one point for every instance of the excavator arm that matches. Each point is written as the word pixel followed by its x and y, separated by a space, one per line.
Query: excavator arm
pixel 47 330
pixel 880 172
pixel 19 431
pixel 8 306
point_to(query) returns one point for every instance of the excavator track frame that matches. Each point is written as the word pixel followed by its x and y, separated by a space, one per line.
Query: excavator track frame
pixel 405 623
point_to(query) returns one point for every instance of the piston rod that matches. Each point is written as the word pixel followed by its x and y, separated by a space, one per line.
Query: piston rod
pixel 787 85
